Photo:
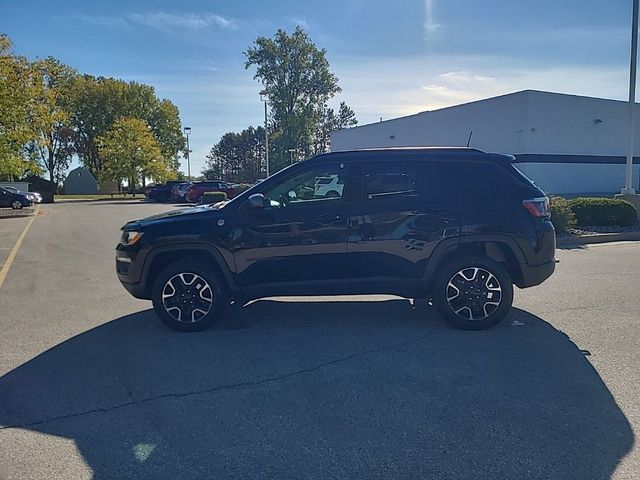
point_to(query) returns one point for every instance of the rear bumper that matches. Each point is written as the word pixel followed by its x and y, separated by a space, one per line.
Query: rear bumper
pixel 535 275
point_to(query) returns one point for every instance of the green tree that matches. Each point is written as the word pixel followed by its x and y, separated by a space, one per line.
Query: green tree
pixel 129 151
pixel 18 86
pixel 164 120
pixel 53 147
pixel 330 121
pixel 296 77
pixel 237 157
pixel 98 102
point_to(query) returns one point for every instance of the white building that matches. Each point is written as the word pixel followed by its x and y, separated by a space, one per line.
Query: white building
pixel 566 143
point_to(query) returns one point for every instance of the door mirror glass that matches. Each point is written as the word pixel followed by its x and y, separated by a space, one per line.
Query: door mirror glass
pixel 256 200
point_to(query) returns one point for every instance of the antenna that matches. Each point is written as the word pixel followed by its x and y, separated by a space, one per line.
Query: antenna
pixel 469 140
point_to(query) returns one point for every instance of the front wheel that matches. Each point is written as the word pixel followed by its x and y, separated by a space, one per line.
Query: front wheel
pixel 188 297
pixel 473 293
pixel 16 205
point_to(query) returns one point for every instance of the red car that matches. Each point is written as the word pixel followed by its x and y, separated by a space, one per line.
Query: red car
pixel 195 191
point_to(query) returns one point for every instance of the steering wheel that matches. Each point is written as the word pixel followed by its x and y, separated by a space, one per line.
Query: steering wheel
pixel 284 200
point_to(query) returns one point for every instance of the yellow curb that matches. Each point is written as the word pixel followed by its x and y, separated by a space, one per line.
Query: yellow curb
pixel 16 247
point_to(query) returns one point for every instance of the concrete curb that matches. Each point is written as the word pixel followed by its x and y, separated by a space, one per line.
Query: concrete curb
pixel 597 238
pixel 10 213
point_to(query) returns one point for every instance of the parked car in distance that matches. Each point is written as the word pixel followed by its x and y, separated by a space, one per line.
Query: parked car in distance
pixel 162 192
pixel 195 191
pixel 329 187
pixel 35 196
pixel 179 191
pixel 455 225
pixel 15 200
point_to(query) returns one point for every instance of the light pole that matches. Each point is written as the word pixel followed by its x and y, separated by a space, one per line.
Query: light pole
pixel 628 184
pixel 187 132
pixel 264 98
pixel 291 152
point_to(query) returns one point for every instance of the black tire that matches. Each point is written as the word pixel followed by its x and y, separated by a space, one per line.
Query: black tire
pixel 332 194
pixel 17 205
pixel 468 286
pixel 186 280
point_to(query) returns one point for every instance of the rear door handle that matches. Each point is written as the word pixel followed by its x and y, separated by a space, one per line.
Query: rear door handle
pixel 330 218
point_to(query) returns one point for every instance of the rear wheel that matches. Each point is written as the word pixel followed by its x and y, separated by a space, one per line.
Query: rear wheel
pixel 188 297
pixel 473 293
pixel 332 194
pixel 16 205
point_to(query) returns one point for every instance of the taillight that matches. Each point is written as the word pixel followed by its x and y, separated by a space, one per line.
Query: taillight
pixel 538 207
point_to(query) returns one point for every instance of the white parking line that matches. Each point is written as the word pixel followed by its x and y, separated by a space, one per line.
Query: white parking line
pixel 612 244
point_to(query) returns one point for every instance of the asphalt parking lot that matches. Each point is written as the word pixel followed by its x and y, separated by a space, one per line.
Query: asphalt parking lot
pixel 93 386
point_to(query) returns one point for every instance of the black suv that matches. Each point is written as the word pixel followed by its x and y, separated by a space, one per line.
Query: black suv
pixel 162 192
pixel 456 225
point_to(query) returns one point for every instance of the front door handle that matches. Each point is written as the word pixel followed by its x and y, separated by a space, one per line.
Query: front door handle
pixel 431 209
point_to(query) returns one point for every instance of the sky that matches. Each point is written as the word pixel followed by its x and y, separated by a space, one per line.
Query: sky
pixel 392 57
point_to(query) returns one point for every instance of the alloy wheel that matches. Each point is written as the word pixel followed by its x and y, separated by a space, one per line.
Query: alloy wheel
pixel 16 205
pixel 187 297
pixel 473 293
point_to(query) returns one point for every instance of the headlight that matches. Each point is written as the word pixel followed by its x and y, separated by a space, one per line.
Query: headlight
pixel 130 237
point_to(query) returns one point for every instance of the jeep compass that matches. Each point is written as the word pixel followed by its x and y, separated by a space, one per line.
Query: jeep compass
pixel 455 225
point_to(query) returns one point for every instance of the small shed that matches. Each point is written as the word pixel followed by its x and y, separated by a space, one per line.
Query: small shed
pixel 80 181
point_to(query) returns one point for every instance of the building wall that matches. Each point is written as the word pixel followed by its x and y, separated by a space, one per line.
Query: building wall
pixel 568 124
pixel 80 181
pixel 565 143
pixel 494 122
pixel 578 178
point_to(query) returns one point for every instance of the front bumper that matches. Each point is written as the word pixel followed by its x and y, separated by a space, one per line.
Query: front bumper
pixel 128 268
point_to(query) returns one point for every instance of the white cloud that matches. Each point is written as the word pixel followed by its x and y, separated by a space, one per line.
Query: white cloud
pixel 464 77
pixel 100 20
pixel 172 21
pixel 166 22
pixel 300 21
pixel 420 83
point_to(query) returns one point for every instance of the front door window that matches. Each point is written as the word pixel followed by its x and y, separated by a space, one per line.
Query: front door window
pixel 321 185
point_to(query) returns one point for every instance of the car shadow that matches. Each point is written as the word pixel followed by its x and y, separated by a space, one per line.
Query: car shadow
pixel 324 390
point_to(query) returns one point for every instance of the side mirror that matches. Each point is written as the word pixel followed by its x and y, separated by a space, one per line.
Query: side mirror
pixel 256 200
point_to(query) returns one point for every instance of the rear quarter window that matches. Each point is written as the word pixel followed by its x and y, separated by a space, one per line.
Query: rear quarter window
pixel 479 180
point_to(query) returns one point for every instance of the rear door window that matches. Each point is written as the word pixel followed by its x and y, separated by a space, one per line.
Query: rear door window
pixel 398 179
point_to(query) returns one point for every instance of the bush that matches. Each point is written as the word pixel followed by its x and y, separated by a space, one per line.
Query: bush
pixel 213 197
pixel 603 212
pixel 562 216
pixel 242 187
